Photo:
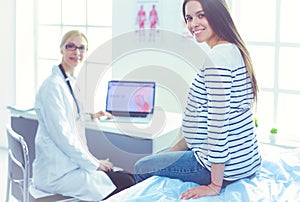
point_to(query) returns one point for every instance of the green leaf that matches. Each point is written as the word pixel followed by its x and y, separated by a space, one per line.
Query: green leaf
pixel 274 130
pixel 256 122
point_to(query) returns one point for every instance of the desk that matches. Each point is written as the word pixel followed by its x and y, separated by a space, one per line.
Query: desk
pixel 122 143
pixel 125 143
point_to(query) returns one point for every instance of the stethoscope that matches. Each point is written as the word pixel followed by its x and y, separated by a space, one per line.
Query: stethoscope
pixel 70 88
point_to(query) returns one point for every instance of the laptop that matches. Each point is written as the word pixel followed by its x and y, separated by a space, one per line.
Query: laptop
pixel 130 101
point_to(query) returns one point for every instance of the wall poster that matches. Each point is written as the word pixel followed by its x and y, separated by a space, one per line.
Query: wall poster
pixel 147 20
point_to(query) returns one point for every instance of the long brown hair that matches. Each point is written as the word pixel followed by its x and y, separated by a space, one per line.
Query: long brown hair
pixel 220 20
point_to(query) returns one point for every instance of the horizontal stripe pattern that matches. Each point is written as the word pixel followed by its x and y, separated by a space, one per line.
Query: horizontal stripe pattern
pixel 218 121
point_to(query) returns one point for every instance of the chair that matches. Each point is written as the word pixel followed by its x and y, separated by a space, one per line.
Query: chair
pixel 19 167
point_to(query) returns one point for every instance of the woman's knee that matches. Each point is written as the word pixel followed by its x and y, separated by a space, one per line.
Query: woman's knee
pixel 143 165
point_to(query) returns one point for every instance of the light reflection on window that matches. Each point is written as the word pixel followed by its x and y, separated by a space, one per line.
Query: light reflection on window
pixel 289 31
pixel 276 61
pixel 289 69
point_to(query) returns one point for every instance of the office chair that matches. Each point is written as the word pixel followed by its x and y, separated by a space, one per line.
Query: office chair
pixel 18 157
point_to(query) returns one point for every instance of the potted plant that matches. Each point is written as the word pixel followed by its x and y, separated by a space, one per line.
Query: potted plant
pixel 256 122
pixel 273 135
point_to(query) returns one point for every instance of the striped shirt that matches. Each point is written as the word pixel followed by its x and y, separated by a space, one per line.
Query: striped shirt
pixel 218 122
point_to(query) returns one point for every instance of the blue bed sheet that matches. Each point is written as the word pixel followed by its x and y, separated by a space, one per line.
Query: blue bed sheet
pixel 278 180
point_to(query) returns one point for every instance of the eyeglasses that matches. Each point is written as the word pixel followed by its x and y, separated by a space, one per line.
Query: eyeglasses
pixel 72 47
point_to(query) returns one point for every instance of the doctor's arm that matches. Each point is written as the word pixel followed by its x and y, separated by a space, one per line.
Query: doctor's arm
pixel 100 114
pixel 62 130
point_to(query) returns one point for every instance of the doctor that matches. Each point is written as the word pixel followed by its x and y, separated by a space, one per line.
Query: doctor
pixel 63 164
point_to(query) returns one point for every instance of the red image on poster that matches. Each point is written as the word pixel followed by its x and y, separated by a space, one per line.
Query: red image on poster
pixel 141 17
pixel 153 17
pixel 147 20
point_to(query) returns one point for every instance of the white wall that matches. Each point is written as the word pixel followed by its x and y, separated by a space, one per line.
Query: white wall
pixel 124 15
pixel 168 60
pixel 168 69
pixel 7 63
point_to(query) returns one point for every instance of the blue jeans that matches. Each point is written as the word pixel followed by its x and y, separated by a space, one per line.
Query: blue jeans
pixel 179 165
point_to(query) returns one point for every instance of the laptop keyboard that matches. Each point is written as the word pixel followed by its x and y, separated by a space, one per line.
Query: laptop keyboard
pixel 126 119
pixel 131 115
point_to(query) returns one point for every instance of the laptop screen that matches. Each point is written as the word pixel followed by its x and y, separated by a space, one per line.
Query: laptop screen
pixel 130 97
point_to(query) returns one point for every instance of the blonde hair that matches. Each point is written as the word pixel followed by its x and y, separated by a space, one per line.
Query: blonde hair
pixel 70 34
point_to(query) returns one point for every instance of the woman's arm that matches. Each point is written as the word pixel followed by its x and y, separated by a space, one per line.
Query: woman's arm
pixel 214 188
pixel 179 146
pixel 217 174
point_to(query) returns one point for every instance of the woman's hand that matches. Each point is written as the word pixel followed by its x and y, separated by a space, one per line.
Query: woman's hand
pixel 105 165
pixel 101 113
pixel 200 191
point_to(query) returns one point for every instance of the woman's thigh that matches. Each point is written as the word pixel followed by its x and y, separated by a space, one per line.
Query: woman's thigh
pixel 179 165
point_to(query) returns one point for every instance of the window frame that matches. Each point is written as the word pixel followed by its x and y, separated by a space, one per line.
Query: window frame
pixel 275 90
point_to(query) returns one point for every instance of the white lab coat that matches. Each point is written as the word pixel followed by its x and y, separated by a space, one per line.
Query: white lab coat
pixel 62 164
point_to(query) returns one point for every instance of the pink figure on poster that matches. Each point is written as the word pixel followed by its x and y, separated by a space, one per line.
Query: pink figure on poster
pixel 153 18
pixel 141 17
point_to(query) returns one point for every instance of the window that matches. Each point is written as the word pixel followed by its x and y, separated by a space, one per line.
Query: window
pixel 268 27
pixel 273 41
pixel 40 26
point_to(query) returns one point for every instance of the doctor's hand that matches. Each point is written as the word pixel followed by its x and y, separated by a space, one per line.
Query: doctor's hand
pixel 101 113
pixel 105 165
